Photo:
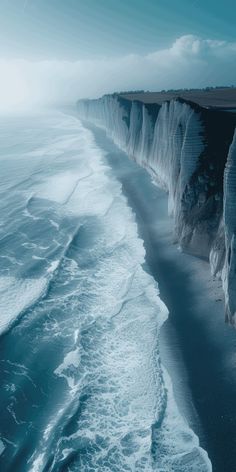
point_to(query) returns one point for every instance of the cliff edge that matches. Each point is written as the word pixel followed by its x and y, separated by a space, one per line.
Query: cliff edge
pixel 190 151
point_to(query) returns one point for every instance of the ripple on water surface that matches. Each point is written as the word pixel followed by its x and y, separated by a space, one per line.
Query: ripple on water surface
pixel 84 387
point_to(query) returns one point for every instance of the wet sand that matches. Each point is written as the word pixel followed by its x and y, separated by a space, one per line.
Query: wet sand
pixel 198 348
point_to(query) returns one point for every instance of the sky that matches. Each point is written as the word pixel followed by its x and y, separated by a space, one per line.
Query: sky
pixel 60 50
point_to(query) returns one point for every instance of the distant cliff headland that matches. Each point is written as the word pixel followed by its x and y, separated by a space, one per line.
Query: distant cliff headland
pixel 186 140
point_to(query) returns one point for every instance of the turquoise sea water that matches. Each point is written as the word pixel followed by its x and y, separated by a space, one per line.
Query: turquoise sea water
pixel 83 386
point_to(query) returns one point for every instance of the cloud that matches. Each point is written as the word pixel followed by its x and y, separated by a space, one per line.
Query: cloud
pixel 189 62
pixel 192 46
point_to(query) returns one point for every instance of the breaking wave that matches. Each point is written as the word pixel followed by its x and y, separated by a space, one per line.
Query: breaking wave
pixel 84 385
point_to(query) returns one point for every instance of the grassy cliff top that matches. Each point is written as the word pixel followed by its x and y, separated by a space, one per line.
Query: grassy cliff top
pixel 224 97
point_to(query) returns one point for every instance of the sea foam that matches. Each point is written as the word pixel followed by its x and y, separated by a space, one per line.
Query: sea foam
pixel 110 405
pixel 16 295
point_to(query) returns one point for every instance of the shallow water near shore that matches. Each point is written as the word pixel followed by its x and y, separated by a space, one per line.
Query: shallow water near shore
pixel 83 384
pixel 196 346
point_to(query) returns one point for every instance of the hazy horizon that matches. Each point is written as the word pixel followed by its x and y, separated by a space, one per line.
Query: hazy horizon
pixel 56 52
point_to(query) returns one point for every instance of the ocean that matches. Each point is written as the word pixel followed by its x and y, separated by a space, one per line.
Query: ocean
pixel 83 385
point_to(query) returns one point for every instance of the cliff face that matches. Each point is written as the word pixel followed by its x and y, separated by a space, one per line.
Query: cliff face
pixel 229 270
pixel 185 148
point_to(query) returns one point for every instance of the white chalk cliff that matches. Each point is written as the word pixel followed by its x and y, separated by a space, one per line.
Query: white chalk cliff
pixel 191 153
pixel 229 270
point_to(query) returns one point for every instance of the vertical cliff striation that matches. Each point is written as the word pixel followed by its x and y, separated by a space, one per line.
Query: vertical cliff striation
pixel 187 149
pixel 229 270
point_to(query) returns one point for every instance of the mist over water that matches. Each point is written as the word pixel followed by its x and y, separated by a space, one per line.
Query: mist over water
pixel 190 61
pixel 83 387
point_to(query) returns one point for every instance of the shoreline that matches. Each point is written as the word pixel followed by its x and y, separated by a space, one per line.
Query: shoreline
pixel 202 362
